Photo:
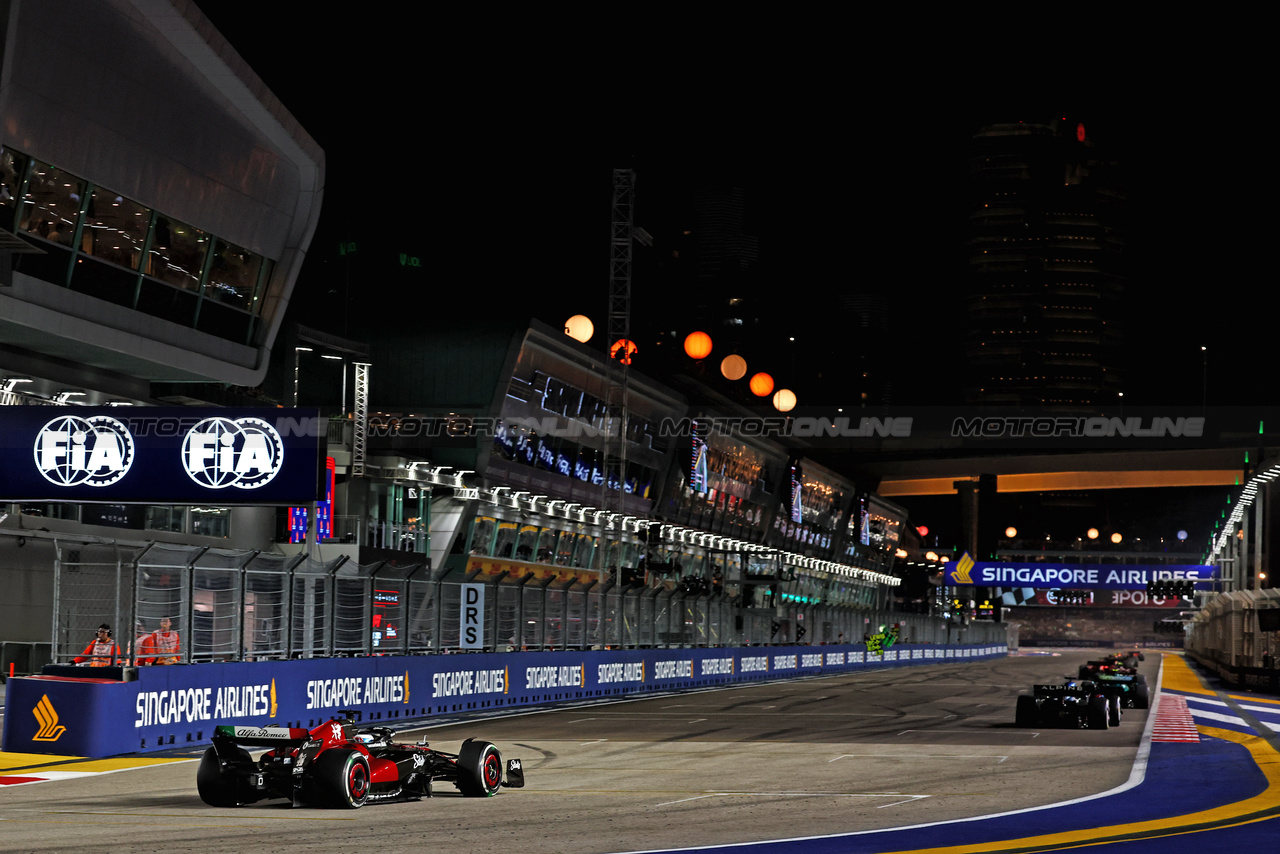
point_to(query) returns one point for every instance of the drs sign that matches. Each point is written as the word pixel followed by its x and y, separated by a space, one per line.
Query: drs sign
pixel 472 616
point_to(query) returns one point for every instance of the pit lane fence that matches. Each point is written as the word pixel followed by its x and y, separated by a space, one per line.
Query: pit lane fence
pixel 229 606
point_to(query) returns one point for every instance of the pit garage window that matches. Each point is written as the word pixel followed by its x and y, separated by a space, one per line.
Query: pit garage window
pixel 211 521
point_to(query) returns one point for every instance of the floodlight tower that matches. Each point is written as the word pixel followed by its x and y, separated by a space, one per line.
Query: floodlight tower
pixel 614 445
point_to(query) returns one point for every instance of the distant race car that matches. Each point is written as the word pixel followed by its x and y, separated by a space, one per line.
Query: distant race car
pixel 1130 688
pixel 342 765
pixel 1114 665
pixel 1079 704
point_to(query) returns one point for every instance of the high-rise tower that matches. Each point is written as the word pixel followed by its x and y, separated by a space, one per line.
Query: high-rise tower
pixel 1045 267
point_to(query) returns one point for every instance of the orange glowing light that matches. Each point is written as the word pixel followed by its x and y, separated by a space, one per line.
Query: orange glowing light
pixel 697 345
pixel 622 350
pixel 761 385
pixel 580 328
pixel 733 367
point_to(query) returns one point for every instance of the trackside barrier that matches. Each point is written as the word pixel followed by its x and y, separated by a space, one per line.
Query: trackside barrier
pixel 179 705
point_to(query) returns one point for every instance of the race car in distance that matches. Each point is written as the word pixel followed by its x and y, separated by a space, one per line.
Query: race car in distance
pixel 1129 687
pixel 1078 704
pixel 340 764
pixel 1114 665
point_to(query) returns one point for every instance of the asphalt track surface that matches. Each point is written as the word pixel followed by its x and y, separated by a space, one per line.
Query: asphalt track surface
pixel 924 758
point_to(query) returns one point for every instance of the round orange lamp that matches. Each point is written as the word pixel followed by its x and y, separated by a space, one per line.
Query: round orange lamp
pixel 733 367
pixel 622 350
pixel 580 328
pixel 697 345
pixel 761 385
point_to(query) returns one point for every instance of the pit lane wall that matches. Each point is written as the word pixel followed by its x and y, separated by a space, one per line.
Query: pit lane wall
pixel 179 705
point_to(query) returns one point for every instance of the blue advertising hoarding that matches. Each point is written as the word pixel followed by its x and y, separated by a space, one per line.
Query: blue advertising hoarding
pixel 1091 576
pixel 181 704
pixel 161 455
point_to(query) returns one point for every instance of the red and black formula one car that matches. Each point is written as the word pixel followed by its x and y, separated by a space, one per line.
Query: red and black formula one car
pixel 341 764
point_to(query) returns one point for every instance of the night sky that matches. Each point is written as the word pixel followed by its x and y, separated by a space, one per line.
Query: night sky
pixel 492 154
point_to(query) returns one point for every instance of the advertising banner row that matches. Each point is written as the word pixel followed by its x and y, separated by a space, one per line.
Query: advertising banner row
pixel 180 705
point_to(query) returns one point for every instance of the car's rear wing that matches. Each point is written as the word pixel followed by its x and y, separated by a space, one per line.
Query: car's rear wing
pixel 262 736
pixel 1066 690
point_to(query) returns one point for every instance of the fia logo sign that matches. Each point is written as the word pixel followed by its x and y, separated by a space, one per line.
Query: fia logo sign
pixel 75 451
pixel 242 452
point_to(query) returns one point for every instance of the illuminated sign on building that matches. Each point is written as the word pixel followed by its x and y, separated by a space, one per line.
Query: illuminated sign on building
pixel 160 455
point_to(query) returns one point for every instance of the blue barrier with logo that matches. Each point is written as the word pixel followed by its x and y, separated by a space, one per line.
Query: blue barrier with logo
pixel 181 704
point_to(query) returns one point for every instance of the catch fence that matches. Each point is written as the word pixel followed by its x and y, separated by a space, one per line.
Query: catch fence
pixel 249 606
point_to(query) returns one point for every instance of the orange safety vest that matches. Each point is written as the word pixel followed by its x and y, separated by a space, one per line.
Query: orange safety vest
pixel 164 646
pixel 99 653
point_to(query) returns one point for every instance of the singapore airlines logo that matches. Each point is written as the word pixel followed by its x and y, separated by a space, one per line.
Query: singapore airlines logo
pixel 242 452
pixel 47 717
pixel 75 451
pixel 960 575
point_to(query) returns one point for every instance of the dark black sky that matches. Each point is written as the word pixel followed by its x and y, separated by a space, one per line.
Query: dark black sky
pixel 491 143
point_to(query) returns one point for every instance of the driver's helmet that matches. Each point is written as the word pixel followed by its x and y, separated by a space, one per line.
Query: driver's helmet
pixel 364 738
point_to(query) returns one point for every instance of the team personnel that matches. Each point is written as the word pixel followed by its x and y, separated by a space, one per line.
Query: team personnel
pixel 163 646
pixel 141 648
pixel 101 651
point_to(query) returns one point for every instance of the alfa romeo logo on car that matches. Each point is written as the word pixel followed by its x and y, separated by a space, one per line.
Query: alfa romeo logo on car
pixel 242 452
pixel 92 451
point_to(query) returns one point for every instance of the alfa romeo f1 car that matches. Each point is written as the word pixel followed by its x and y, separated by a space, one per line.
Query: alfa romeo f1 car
pixel 340 764
pixel 1079 704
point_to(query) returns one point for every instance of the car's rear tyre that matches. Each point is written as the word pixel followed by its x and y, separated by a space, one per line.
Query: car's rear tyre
pixel 343 778
pixel 479 769
pixel 216 788
pixel 1028 713
pixel 1142 697
pixel 1096 715
pixel 1113 711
